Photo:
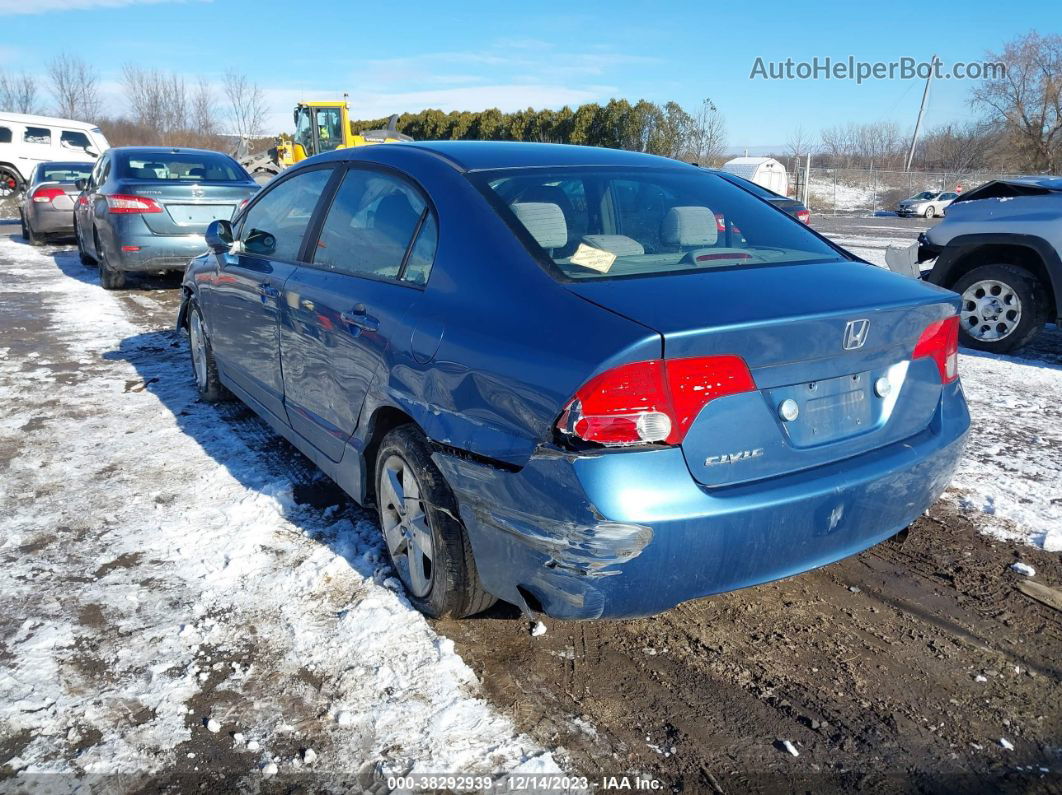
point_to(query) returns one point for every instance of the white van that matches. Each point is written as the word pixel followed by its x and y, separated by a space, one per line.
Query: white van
pixel 27 140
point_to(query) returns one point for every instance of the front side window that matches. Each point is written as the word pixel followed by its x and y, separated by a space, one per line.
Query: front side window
pixel 72 139
pixel 642 222
pixel 370 225
pixel 5 135
pixel 182 167
pixel 304 131
pixel 37 135
pixel 275 225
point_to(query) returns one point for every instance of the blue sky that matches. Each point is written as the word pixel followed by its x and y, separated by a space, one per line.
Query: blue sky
pixel 404 56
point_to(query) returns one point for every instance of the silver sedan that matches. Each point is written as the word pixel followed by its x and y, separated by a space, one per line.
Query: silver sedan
pixel 47 205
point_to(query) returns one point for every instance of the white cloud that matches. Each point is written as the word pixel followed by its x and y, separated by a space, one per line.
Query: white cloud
pixel 13 7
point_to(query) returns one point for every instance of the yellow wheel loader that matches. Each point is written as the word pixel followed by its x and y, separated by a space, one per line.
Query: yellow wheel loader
pixel 319 127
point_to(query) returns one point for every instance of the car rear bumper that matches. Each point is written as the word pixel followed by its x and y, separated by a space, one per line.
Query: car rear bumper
pixel 630 533
pixel 46 220
pixel 154 252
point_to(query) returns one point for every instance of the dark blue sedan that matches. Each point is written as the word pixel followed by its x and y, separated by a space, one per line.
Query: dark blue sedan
pixel 565 384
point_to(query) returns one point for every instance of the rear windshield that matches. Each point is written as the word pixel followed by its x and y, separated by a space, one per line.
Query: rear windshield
pixel 604 223
pixel 182 167
pixel 63 172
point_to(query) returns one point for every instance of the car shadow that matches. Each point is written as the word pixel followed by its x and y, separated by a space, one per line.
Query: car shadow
pixel 90 274
pixel 1045 351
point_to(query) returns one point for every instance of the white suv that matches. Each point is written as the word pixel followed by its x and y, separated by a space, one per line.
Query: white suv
pixel 26 141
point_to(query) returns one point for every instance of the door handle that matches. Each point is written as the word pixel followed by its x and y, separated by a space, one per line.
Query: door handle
pixel 359 317
pixel 266 290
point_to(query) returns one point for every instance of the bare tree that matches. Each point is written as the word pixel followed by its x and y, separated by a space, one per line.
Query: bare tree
pixel 958 148
pixel 1028 98
pixel 799 142
pixel 19 94
pixel 202 110
pixel 157 100
pixel 707 138
pixel 246 104
pixel 74 87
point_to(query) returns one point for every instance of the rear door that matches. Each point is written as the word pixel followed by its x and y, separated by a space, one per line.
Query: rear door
pixel 245 300
pixel 348 307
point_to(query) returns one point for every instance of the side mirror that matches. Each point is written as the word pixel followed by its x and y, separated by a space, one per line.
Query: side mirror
pixel 81 184
pixel 219 236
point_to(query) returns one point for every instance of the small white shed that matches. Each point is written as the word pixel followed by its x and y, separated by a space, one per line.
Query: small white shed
pixel 764 171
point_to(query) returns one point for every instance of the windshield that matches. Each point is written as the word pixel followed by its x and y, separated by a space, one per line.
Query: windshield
pixel 63 172
pixel 924 195
pixel 182 167
pixel 602 223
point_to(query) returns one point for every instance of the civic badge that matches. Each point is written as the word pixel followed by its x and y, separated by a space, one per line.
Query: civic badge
pixel 855 334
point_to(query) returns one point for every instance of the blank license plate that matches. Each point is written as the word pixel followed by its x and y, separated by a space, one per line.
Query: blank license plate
pixel 187 214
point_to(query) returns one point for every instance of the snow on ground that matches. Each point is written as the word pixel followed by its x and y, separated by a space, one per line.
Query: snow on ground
pixel 1012 470
pixel 825 193
pixel 157 575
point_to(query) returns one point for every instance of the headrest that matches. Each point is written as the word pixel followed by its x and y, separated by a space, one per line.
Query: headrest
pixel 544 221
pixel 620 245
pixel 689 226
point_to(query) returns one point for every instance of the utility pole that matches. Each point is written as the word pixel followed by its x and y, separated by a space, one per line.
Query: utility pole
pixel 921 112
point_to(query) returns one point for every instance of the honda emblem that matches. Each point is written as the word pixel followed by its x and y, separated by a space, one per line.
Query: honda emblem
pixel 855 334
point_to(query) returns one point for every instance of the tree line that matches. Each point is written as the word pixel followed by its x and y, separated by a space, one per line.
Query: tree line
pixel 163 108
pixel 643 126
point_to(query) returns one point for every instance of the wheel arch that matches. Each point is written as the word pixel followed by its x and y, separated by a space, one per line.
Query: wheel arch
pixel 384 419
pixel 1033 254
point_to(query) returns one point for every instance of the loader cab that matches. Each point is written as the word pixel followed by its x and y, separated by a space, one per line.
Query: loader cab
pixel 319 128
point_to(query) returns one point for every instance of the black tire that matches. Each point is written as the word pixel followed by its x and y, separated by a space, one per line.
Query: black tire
pixel 82 255
pixel 455 590
pixel 28 234
pixel 207 384
pixel 110 279
pixel 7 176
pixel 1030 293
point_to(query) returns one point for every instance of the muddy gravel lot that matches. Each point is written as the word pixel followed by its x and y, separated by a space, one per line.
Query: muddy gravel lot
pixel 923 664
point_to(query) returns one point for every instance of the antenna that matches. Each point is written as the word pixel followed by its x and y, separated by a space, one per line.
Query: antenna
pixel 921 110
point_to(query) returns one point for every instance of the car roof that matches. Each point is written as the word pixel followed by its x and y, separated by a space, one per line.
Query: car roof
pixel 51 121
pixel 489 155
pixel 163 150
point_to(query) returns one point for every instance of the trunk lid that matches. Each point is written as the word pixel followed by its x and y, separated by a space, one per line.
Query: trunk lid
pixel 188 207
pixel 790 324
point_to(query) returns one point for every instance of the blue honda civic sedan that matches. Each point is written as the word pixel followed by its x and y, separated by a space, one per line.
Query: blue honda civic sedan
pixel 589 382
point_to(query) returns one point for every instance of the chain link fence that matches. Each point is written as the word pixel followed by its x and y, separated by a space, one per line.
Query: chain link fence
pixel 870 190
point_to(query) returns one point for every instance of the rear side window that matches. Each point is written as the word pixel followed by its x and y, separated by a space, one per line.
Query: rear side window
pixel 275 225
pixel 37 135
pixel 370 226
pixel 182 167
pixel 5 135
pixel 72 139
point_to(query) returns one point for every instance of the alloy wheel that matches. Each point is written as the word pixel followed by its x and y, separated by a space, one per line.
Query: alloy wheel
pixel 405 525
pixel 991 310
pixel 198 343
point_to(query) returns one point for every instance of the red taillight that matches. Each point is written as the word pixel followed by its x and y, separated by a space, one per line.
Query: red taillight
pixel 654 401
pixel 804 215
pixel 940 342
pixel 45 195
pixel 121 203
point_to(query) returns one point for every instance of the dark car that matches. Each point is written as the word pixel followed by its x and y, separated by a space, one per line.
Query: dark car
pixel 562 386
pixel 47 205
pixel 794 207
pixel 146 208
